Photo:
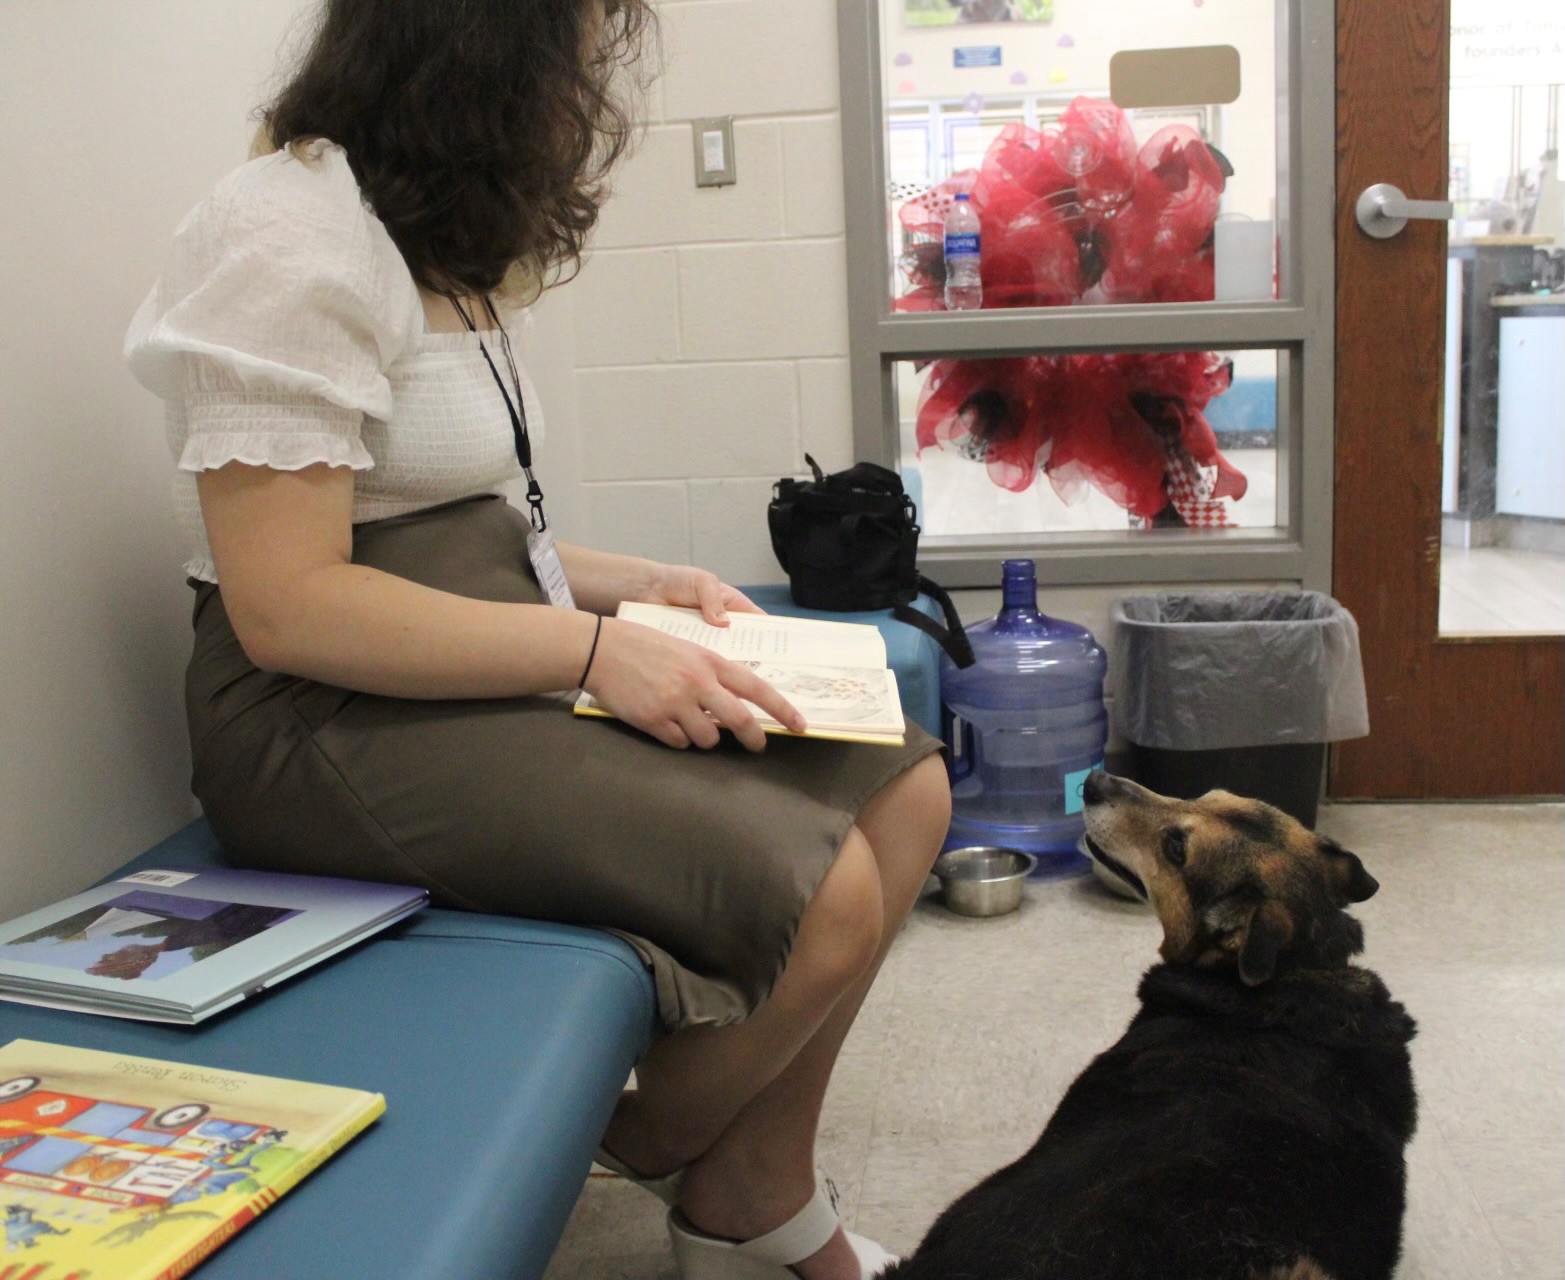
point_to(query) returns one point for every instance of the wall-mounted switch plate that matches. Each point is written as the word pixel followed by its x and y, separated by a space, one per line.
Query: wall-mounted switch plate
pixel 714 148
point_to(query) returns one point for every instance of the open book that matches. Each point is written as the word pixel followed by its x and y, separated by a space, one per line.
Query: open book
pixel 835 673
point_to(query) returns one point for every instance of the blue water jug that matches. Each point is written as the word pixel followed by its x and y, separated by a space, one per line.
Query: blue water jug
pixel 1025 725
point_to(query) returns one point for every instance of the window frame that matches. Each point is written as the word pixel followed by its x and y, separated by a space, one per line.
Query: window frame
pixel 1300 326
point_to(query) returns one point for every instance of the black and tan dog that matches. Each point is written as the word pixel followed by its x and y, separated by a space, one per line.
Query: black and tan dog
pixel 1250 1124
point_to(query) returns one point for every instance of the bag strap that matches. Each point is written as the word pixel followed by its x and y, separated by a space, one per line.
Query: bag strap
pixel 952 637
pixel 779 519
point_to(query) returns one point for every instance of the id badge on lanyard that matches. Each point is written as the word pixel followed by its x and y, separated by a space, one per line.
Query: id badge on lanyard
pixel 541 548
pixel 545 556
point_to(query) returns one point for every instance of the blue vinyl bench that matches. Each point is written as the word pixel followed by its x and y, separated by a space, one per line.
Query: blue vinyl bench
pixel 501 1046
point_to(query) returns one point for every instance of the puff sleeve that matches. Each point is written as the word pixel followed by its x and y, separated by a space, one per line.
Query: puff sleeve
pixel 281 306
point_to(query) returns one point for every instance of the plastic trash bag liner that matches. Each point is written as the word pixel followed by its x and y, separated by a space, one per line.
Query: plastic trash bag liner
pixel 1237 669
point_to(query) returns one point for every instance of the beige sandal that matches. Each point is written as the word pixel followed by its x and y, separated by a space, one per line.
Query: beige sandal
pixel 772 1256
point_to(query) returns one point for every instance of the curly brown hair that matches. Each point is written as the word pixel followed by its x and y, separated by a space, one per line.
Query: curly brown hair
pixel 481 132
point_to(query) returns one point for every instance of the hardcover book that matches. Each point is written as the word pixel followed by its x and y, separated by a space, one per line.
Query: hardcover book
pixel 834 673
pixel 135 1169
pixel 177 946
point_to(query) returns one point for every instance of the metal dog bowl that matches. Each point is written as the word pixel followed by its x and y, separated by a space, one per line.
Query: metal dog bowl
pixel 983 880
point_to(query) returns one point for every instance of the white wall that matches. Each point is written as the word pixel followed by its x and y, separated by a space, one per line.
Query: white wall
pixel 115 118
pixel 710 325
pixel 698 357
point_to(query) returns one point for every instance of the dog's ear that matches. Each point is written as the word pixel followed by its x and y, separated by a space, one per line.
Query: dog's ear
pixel 1345 873
pixel 1269 931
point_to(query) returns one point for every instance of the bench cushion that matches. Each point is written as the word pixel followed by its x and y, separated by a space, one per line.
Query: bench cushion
pixel 501 1046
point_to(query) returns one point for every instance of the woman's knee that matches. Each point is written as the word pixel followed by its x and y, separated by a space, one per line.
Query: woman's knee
pixel 844 922
pixel 910 816
pixel 931 796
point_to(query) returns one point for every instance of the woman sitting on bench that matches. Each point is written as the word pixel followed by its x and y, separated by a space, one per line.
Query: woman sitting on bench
pixel 380 686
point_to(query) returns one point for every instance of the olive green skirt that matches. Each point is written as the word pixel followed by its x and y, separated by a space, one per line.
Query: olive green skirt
pixel 702 860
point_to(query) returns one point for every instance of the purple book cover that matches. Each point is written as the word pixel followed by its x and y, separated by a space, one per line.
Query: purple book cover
pixel 187 941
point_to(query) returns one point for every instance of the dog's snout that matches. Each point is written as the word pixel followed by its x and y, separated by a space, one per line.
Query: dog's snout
pixel 1098 787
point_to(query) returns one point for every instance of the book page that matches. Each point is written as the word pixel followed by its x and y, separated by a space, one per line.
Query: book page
pixel 767 637
pixel 854 698
pixel 859 701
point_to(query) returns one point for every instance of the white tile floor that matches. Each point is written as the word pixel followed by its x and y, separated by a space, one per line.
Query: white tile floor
pixel 1490 590
pixel 976 1028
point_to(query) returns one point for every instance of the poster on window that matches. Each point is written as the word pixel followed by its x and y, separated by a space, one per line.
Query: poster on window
pixel 1517 42
pixel 950 13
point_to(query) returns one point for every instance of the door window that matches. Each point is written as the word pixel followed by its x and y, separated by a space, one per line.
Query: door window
pixel 1140 363
pixel 1503 493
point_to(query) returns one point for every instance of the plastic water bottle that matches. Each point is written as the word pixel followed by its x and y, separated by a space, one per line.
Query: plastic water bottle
pixel 964 285
pixel 1025 725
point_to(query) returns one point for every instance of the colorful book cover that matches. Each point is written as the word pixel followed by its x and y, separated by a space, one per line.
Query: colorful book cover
pixel 121 1168
pixel 180 945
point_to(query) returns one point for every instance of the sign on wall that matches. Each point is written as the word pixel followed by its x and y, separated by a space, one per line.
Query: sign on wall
pixel 1516 42
pixel 977 55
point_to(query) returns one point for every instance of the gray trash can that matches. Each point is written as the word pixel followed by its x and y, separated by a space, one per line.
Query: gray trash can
pixel 1238 690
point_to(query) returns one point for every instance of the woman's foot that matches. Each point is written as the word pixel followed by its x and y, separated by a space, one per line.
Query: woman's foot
pixel 731 1197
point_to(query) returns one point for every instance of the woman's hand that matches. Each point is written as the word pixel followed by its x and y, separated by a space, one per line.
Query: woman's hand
pixel 690 588
pixel 679 692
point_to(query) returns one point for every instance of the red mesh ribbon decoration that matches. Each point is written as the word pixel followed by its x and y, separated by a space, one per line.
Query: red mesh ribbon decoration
pixel 1077 212
pixel 1133 426
pixel 1067 209
pixel 1159 246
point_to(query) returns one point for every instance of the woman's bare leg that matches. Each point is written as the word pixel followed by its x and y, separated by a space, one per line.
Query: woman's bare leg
pixel 761 1171
pixel 692 1085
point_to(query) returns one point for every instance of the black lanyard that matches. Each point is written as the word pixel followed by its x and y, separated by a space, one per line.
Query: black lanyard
pixel 517 408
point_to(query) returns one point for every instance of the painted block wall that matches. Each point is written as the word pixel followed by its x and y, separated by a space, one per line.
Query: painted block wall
pixel 710 325
pixel 114 120
pixel 700 355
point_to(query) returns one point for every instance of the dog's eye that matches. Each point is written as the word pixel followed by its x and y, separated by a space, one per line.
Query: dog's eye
pixel 1174 846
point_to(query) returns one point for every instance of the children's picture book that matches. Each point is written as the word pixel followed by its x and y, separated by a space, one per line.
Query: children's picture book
pixel 121 1168
pixel 177 946
pixel 835 673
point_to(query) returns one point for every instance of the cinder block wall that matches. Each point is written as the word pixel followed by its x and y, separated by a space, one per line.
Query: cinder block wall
pixel 117 118
pixel 711 324
pixel 701 353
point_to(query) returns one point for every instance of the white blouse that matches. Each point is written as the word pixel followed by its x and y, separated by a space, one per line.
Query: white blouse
pixel 287 330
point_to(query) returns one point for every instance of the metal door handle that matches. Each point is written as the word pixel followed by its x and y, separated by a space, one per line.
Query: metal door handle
pixel 1383 210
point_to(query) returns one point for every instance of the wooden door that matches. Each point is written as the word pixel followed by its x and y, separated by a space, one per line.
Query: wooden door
pixel 1450 716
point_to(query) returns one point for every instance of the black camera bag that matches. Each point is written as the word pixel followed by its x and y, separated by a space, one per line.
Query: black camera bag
pixel 849 542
